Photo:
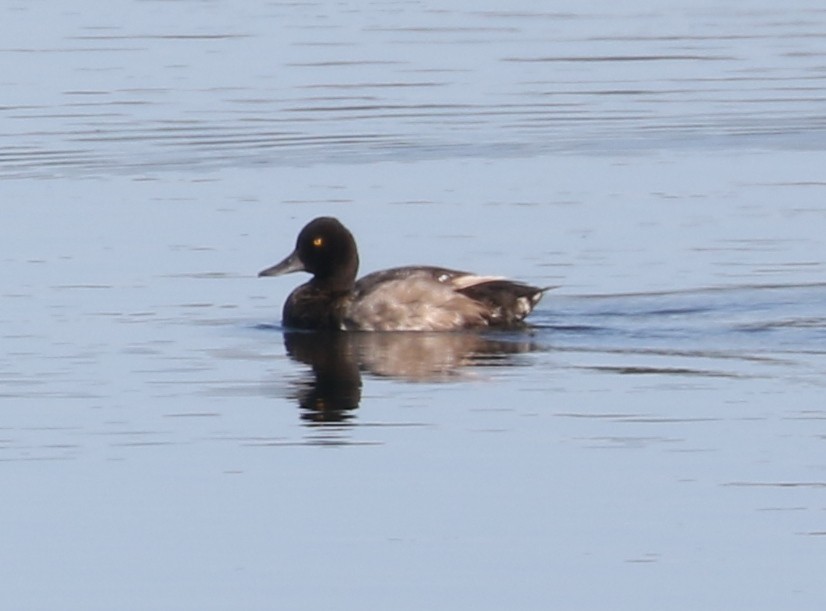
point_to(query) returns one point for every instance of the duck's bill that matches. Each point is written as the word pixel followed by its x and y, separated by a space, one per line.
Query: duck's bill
pixel 287 266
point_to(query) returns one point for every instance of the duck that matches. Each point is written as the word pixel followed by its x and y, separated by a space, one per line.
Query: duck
pixel 412 298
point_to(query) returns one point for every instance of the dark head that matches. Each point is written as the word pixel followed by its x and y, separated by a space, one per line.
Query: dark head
pixel 326 249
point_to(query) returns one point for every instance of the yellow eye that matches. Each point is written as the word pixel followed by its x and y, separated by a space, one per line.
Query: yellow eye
pixel 318 242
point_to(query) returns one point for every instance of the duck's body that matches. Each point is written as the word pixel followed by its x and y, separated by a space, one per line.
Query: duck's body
pixel 416 298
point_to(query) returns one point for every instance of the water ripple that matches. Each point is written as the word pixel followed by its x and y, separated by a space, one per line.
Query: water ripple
pixel 500 83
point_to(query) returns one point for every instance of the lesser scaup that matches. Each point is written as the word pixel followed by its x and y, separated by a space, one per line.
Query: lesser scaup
pixel 419 298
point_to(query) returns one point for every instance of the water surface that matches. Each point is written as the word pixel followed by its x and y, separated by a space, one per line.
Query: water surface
pixel 659 430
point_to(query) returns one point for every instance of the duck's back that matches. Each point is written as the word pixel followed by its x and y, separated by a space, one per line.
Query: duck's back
pixel 436 299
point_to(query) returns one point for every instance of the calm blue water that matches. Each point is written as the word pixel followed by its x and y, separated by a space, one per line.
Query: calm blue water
pixel 656 440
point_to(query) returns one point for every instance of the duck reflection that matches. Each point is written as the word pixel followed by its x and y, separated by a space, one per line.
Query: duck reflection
pixel 332 390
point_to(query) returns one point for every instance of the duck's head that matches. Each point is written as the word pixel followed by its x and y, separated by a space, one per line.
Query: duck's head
pixel 324 248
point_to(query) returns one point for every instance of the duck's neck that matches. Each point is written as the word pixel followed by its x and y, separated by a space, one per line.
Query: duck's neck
pixel 342 280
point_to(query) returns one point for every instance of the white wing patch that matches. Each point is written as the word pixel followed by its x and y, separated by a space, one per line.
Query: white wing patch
pixel 463 282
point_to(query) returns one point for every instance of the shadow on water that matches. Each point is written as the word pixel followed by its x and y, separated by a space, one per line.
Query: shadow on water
pixel 332 389
pixel 705 334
